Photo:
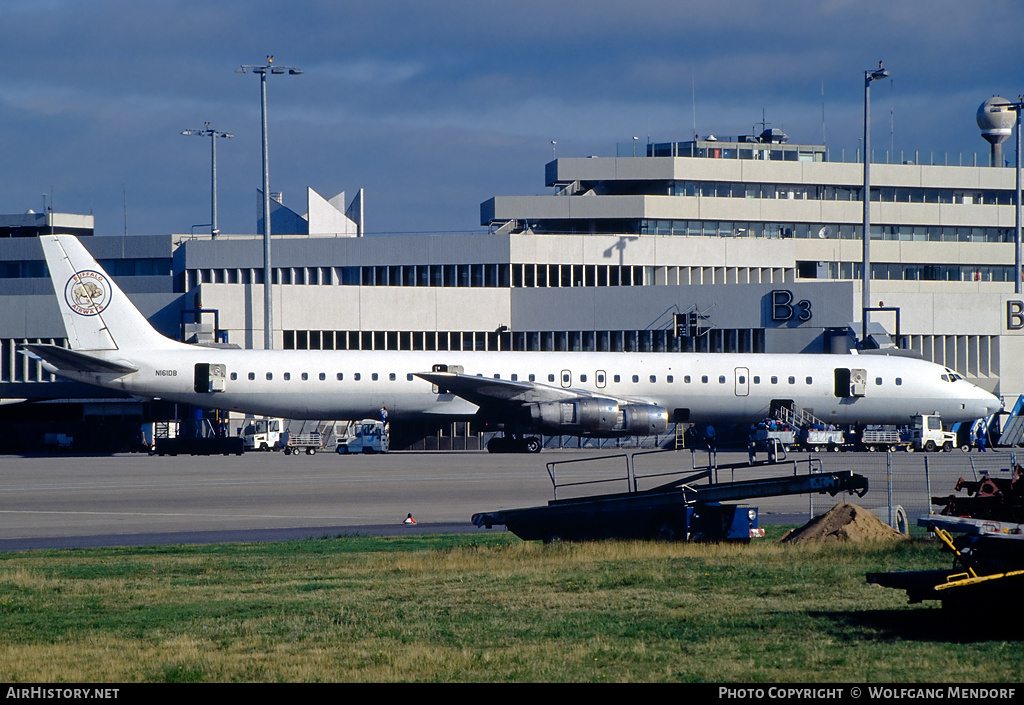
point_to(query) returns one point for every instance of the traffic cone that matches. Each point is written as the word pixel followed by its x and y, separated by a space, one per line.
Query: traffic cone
pixel 409 519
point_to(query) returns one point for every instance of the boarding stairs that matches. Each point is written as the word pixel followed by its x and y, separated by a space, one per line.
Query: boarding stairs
pixel 1013 428
pixel 796 417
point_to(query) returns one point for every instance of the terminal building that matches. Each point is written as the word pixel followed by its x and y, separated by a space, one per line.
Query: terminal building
pixel 742 244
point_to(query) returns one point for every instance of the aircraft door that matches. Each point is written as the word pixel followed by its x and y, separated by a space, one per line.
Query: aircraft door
pixel 742 381
pixel 210 377
pixel 566 378
pixel 601 379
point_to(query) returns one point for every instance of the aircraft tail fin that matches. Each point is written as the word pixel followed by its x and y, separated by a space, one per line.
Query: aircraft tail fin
pixel 96 313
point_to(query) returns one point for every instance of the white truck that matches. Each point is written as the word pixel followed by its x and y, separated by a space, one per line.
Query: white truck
pixel 927 434
pixel 262 434
pixel 366 436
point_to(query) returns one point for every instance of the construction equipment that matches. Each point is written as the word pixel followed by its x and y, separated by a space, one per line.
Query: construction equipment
pixel 988 553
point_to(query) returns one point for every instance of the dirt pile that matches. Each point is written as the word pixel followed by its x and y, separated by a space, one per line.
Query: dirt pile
pixel 844 522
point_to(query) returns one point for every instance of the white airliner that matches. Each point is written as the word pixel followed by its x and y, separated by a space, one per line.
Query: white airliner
pixel 600 394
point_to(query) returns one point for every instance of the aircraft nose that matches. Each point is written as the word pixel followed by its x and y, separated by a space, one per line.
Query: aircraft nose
pixel 992 405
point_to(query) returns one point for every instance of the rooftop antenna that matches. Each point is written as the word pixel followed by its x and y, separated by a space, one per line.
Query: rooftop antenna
pixel 824 132
pixel 124 196
pixel 892 119
pixel 693 100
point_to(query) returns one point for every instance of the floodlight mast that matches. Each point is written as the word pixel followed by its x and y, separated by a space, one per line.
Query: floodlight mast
pixel 207 131
pixel 869 76
pixel 263 70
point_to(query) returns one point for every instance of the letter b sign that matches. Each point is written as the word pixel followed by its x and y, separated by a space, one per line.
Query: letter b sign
pixel 784 309
pixel 1014 315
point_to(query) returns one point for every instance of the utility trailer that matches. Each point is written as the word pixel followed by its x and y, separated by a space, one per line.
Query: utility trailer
pixel 773 441
pixel 299 442
pixel 823 439
pixel 883 439
pixel 681 510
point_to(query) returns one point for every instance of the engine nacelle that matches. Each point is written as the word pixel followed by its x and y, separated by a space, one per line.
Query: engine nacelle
pixel 595 416
pixel 583 416
pixel 643 419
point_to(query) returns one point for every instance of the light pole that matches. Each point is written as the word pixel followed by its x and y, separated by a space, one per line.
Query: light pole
pixel 268 317
pixel 869 76
pixel 207 131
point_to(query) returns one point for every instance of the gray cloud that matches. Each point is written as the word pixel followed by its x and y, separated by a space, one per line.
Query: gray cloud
pixel 434 107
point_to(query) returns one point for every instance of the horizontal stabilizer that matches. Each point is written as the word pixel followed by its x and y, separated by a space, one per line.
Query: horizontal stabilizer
pixel 65 360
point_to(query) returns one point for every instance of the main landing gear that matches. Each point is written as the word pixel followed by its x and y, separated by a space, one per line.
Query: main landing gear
pixel 514 444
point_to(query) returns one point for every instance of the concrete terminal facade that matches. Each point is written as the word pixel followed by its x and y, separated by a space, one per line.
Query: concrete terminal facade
pixel 757 238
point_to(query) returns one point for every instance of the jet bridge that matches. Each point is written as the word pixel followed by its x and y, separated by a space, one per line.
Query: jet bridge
pixel 689 508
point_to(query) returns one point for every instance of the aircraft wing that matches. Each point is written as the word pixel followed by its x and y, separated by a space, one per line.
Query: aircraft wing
pixel 487 391
pixel 66 360
pixel 549 409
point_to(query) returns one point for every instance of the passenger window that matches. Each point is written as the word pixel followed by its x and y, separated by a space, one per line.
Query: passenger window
pixel 270 375
pixel 409 377
pixel 533 378
pixel 721 379
pixel 323 376
pixel 305 376
pixel 357 376
pixel 654 379
pixel 252 375
pixel 878 381
pixel 792 380
pixel 775 380
pixel 636 378
pixel 392 377
pixel 757 380
pixel 583 378
pixel 551 378
pixel 809 380
pixel 287 376
pixel 341 376
pixel 374 376
pixel 616 379
pixel 234 376
pixel 704 379
pixel 686 379
pixel 515 378
pixel 899 381
pixel 669 379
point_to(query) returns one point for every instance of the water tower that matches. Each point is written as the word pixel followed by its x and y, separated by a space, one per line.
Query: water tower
pixel 996 121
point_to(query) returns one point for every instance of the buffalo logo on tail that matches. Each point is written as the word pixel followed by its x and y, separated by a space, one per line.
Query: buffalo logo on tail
pixel 87 293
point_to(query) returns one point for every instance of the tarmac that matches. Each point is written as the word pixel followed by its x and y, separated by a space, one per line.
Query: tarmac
pixel 68 501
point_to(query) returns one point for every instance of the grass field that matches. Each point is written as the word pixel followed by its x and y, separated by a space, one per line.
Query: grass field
pixel 485 608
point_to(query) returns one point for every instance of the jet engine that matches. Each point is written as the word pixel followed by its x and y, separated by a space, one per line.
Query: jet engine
pixel 643 419
pixel 596 416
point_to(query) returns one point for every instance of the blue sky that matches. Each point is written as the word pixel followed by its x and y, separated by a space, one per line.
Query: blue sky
pixel 434 107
